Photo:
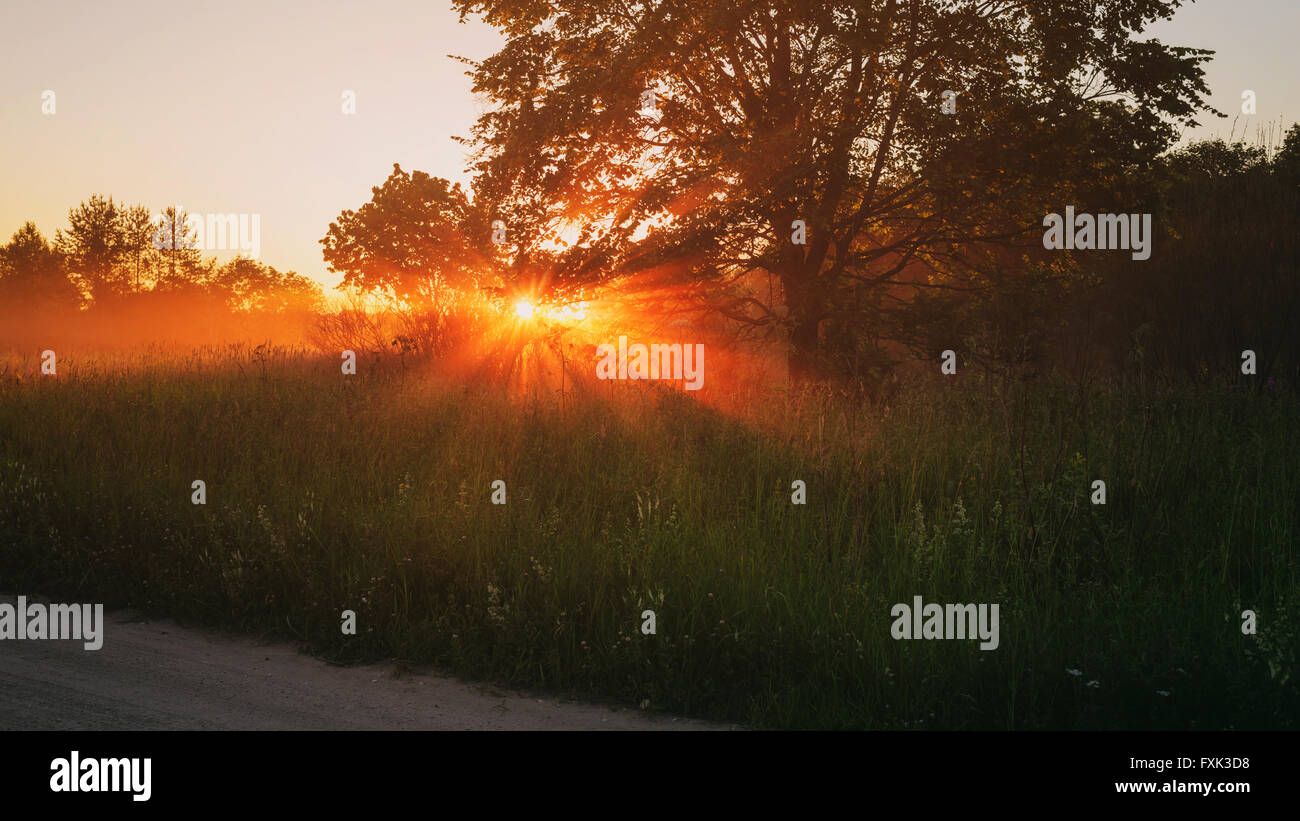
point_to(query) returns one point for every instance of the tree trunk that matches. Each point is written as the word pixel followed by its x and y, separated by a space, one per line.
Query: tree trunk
pixel 805 304
pixel 802 358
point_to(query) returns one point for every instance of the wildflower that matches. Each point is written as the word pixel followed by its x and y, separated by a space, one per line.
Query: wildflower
pixel 1094 684
pixel 1074 672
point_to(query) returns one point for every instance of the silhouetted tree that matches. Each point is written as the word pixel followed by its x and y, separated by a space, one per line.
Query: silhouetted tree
pixel 181 264
pixel 1286 164
pixel 771 111
pixel 138 253
pixel 32 274
pixel 93 247
pixel 1227 277
pixel 249 285
pixel 416 239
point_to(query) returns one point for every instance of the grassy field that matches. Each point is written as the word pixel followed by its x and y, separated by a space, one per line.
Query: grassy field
pixel 372 493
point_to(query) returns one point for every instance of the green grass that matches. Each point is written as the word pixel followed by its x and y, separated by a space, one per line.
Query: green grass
pixel 371 493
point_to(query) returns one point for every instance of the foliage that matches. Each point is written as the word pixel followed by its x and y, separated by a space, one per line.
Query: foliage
pixel 418 240
pixel 770 111
pixel 373 495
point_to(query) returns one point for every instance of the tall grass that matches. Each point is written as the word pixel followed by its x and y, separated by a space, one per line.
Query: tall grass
pixel 372 493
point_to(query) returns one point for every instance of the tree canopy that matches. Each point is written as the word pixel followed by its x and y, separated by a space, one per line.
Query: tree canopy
pixel 913 139
pixel 416 238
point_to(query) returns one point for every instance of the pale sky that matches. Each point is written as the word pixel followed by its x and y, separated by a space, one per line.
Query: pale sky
pixel 235 107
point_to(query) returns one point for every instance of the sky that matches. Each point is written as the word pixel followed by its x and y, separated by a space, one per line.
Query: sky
pixel 237 107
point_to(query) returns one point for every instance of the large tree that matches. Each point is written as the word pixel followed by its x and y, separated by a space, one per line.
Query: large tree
pixel 418 239
pixel 832 113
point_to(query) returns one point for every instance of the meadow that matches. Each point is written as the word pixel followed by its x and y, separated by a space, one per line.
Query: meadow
pixel 372 493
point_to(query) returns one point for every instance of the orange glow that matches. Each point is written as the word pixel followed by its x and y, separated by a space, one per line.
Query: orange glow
pixel 570 313
pixel 563 314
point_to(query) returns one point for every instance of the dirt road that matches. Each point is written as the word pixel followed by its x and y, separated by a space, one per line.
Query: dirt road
pixel 157 675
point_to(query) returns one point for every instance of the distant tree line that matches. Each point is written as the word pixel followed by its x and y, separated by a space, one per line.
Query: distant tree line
pixel 110 255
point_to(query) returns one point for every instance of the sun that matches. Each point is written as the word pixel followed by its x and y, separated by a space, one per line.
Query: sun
pixel 524 309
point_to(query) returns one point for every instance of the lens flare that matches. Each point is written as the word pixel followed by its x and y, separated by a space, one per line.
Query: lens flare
pixel 524 309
